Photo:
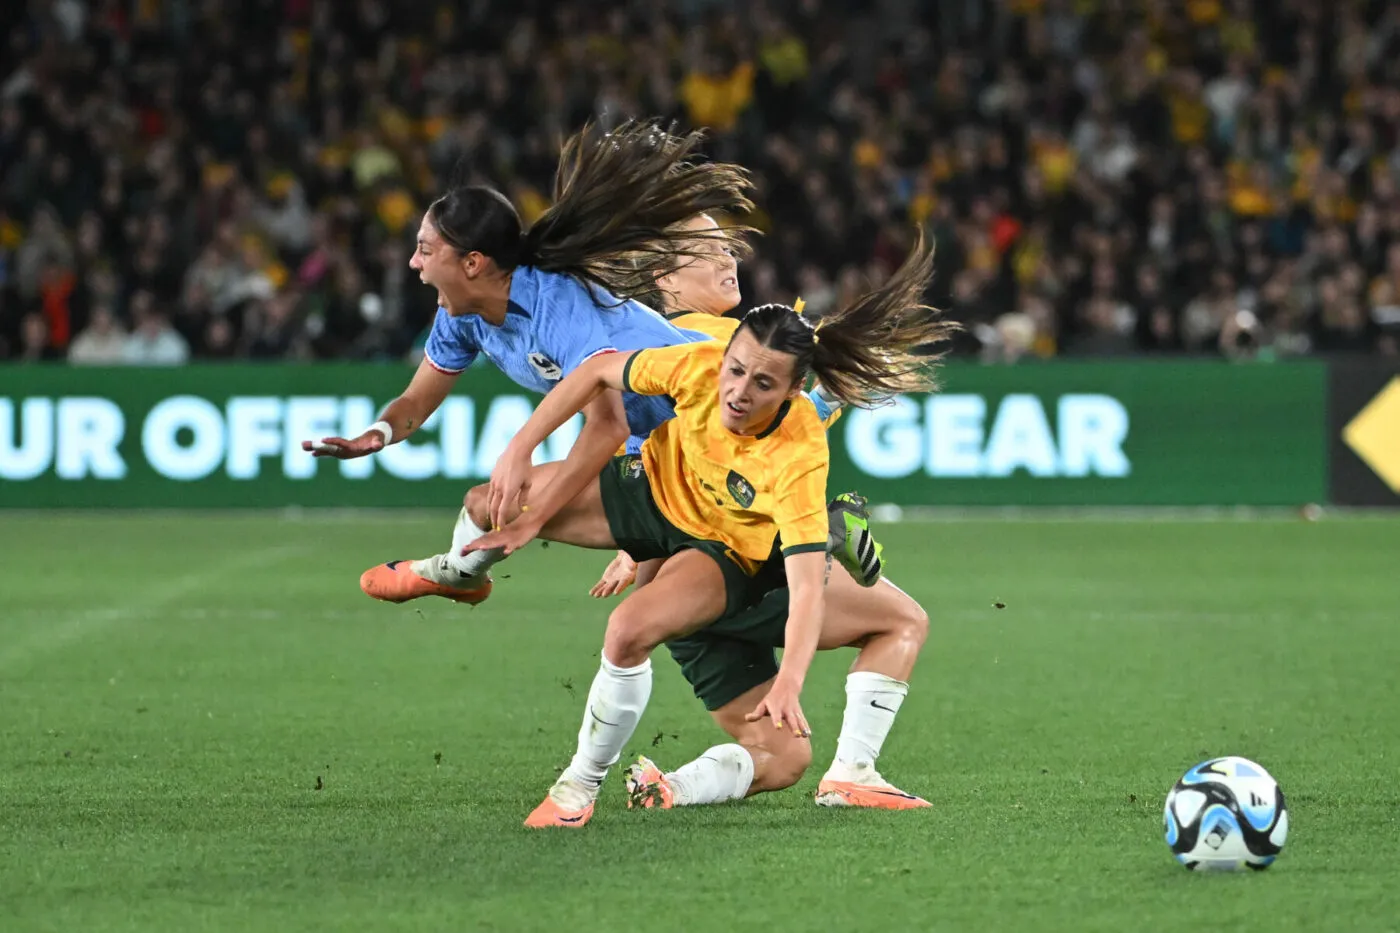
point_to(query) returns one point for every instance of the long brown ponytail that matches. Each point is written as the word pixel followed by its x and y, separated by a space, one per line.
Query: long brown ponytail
pixel 877 347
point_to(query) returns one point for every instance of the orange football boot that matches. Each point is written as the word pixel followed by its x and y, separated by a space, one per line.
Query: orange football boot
pixel 647 786
pixel 873 796
pixel 395 582
pixel 869 790
pixel 553 814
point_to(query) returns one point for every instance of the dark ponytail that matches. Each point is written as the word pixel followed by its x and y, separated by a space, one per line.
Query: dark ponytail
pixel 871 350
pixel 621 200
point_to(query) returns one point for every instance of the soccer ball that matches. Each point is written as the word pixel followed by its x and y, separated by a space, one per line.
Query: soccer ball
pixel 1226 814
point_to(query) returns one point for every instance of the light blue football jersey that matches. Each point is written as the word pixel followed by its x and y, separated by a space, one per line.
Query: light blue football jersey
pixel 553 324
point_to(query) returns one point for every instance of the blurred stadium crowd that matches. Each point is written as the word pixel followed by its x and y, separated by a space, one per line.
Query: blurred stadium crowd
pixel 243 178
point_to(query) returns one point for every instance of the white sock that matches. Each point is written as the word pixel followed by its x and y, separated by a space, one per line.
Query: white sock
pixel 615 704
pixel 872 700
pixel 453 568
pixel 721 773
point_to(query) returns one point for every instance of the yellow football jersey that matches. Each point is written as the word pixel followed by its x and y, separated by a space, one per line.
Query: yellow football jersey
pixel 716 485
pixel 722 329
pixel 711 325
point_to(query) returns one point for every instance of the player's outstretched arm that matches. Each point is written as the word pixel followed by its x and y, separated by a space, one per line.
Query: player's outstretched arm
pixel 574 394
pixel 403 416
pixel 604 431
pixel 806 584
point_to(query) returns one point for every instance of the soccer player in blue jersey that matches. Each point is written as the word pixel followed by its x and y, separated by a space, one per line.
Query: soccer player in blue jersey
pixel 537 302
pixel 540 301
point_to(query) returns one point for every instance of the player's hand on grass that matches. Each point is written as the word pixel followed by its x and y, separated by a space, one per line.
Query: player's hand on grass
pixel 342 449
pixel 510 539
pixel 782 706
pixel 510 481
pixel 619 576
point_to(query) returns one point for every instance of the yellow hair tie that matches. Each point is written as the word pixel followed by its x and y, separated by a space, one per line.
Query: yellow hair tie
pixel 797 307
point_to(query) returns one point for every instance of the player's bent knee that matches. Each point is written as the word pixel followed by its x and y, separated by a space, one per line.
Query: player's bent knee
pixel 913 623
pixel 782 766
pixel 629 639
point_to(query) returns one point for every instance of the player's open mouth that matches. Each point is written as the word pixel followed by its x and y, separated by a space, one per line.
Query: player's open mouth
pixel 735 409
pixel 729 281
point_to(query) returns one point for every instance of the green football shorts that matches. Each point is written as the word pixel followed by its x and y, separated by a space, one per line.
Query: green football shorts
pixel 734 654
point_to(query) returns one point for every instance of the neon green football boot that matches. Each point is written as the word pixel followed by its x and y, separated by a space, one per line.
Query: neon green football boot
pixel 850 540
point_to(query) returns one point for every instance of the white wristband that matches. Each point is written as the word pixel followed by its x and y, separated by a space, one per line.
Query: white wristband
pixel 385 430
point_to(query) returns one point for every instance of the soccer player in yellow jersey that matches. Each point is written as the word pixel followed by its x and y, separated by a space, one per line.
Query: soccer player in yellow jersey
pixel 731 492
pixel 696 294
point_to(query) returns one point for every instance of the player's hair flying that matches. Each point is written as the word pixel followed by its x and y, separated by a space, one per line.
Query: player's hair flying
pixel 878 346
pixel 621 200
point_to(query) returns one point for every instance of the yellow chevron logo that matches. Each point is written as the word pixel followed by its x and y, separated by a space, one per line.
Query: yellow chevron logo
pixel 1374 434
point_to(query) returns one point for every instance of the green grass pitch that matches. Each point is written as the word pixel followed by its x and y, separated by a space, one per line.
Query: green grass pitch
pixel 206 726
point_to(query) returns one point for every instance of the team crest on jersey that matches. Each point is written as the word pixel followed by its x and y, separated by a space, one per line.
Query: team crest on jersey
pixel 632 467
pixel 548 369
pixel 740 489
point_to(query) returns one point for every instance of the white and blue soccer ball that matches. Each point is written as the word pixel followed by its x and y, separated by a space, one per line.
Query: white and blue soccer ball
pixel 1226 814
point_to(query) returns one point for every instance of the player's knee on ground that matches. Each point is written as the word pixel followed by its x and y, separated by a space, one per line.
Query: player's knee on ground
pixel 779 757
pixel 478 503
pixel 777 762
